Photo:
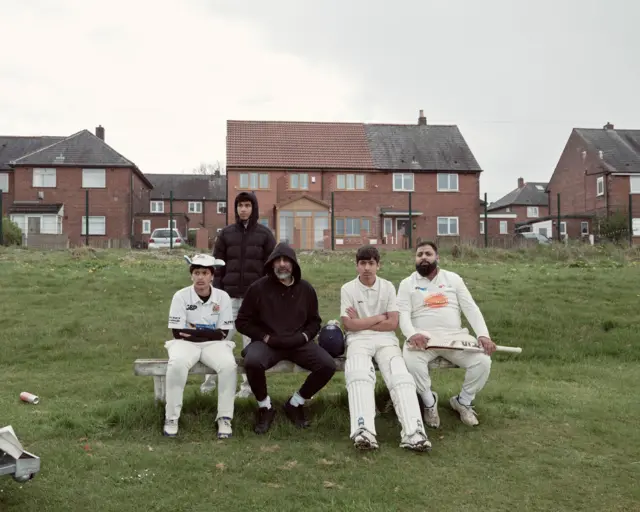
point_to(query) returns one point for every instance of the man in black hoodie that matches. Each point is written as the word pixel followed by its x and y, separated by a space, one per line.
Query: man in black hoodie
pixel 244 246
pixel 280 315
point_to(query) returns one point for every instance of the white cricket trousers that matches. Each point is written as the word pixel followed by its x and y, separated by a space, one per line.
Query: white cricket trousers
pixel 477 364
pixel 183 355
pixel 360 377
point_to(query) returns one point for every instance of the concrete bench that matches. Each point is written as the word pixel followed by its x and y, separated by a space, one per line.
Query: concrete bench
pixel 157 368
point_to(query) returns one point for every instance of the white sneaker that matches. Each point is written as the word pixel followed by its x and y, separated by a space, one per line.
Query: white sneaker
pixel 418 442
pixel 431 416
pixel 245 390
pixel 209 384
pixel 170 428
pixel 224 428
pixel 467 414
pixel 365 440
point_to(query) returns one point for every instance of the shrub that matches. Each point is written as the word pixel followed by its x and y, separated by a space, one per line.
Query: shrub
pixel 11 232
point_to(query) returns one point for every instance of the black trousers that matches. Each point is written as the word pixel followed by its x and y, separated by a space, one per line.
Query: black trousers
pixel 259 357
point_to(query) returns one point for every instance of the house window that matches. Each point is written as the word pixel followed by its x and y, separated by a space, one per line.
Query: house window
pixel 634 184
pixel 600 186
pixel 635 227
pixel 563 228
pixel 195 206
pixel 351 226
pixel 44 178
pixel 447 182
pixel 146 227
pixel 221 207
pixel 4 182
pixel 402 182
pixel 532 212
pixel 254 180
pixel 157 206
pixel 173 224
pixel 388 226
pixel 97 226
pixel 447 226
pixel 584 228
pixel 504 227
pixel 94 178
pixel 350 182
pixel 299 181
pixel 482 227
pixel 264 222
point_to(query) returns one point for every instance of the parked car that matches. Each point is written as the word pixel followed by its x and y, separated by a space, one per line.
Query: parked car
pixel 533 237
pixel 160 239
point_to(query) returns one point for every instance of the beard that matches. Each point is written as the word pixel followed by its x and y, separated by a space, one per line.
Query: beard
pixel 424 269
pixel 282 273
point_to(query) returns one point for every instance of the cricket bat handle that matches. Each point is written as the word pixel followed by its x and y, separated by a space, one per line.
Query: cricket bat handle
pixel 513 350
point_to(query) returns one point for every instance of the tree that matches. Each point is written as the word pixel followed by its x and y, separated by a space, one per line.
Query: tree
pixel 213 169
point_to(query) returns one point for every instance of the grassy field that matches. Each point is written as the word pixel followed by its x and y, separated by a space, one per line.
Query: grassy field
pixel 559 422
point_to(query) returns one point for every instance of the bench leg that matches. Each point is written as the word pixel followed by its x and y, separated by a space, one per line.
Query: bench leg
pixel 159 389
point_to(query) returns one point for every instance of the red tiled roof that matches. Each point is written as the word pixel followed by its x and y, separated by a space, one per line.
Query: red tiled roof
pixel 297 145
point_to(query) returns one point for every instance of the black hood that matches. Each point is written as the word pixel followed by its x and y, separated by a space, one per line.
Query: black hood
pixel 283 249
pixel 255 212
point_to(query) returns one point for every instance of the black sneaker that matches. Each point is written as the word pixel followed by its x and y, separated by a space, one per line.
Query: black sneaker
pixel 296 415
pixel 264 419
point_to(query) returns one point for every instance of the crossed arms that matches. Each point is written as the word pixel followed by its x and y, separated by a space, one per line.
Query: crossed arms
pixel 385 322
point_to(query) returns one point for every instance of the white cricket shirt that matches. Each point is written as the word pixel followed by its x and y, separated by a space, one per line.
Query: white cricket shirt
pixel 368 301
pixel 435 306
pixel 189 312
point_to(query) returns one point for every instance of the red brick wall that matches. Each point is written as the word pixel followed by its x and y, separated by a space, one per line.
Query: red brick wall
pixel 113 201
pixel 7 197
pixel 378 194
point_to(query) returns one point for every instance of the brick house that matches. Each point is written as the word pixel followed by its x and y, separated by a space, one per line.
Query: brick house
pixel 47 179
pixel 520 207
pixel 382 180
pixel 597 171
pixel 199 201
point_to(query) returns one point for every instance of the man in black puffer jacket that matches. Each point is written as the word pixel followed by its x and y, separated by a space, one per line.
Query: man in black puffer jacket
pixel 244 246
pixel 280 315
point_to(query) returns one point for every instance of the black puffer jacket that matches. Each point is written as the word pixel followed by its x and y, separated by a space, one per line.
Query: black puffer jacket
pixel 243 249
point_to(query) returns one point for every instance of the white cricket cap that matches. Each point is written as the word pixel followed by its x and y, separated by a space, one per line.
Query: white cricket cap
pixel 204 260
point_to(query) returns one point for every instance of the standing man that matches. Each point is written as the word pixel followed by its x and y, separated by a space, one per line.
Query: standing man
pixel 370 317
pixel 200 318
pixel 430 302
pixel 244 246
pixel 280 315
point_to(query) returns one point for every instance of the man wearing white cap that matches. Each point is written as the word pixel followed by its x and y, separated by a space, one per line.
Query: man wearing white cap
pixel 200 318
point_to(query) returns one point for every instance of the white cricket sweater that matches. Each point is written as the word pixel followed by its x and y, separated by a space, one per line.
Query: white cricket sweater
pixel 435 306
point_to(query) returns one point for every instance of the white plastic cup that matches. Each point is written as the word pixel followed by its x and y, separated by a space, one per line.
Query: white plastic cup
pixel 29 398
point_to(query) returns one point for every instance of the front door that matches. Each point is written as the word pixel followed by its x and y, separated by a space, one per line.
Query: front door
pixel 402 224
pixel 305 228
pixel 33 225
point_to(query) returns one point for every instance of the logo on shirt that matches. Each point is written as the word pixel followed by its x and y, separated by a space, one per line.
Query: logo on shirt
pixel 215 307
pixel 436 300
pixel 192 307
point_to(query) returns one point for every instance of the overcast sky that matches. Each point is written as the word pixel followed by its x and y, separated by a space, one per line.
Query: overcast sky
pixel 163 77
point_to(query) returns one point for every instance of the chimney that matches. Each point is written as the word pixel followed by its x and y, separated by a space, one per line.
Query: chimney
pixel 520 182
pixel 100 132
pixel 608 126
pixel 422 121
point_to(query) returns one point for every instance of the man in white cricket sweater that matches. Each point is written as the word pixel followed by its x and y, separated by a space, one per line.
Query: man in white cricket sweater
pixel 430 301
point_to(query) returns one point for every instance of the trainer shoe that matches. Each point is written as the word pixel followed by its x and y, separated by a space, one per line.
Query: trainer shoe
pixel 418 442
pixel 209 384
pixel 224 428
pixel 170 428
pixel 365 440
pixel 264 418
pixel 466 412
pixel 296 414
pixel 431 416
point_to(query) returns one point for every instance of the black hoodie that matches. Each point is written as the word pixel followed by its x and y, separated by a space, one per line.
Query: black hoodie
pixel 244 249
pixel 280 311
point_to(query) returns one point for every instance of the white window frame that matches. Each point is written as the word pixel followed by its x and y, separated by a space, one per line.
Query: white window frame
pixel 100 231
pixel 563 228
pixel 4 182
pixel 390 226
pixel 254 181
pixel 449 219
pixel 600 186
pixel 635 226
pixel 146 227
pixel 154 208
pixel 533 212
pixel 634 184
pixel 403 176
pixel 94 178
pixel 174 222
pixel 44 177
pixel 220 206
pixel 299 181
pixel 482 227
pixel 449 187
pixel 195 206
pixel 350 182
pixel 504 227
pixel 584 232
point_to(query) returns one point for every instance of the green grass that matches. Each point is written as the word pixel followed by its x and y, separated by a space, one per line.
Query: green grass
pixel 559 422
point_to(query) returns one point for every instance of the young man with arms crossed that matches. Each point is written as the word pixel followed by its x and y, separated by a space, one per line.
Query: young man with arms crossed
pixel 430 302
pixel 370 317
pixel 244 246
pixel 200 318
